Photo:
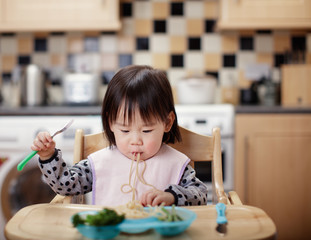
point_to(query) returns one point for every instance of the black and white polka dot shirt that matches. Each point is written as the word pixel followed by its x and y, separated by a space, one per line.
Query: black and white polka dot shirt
pixel 77 179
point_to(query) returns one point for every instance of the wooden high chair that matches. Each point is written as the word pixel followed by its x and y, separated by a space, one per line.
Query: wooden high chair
pixel 52 221
pixel 197 147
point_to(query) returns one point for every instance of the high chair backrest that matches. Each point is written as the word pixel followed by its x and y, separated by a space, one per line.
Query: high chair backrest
pixel 197 147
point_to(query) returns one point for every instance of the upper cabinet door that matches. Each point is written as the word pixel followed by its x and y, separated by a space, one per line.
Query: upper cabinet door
pixel 59 15
pixel 264 14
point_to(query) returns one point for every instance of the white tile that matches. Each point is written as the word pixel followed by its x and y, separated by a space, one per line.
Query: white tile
pixel 109 61
pixel 159 43
pixel 94 62
pixel 174 75
pixel 264 43
pixel 57 44
pixel 176 26
pixel 211 43
pixel 228 77
pixel 142 9
pixel 128 28
pixel 142 58
pixel 8 45
pixel 108 44
pixel 85 62
pixel 194 9
pixel 194 61
pixel 309 43
pixel 42 60
pixel 244 58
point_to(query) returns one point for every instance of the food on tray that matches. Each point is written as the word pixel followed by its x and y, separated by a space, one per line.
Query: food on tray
pixel 133 209
pixel 101 218
pixel 163 214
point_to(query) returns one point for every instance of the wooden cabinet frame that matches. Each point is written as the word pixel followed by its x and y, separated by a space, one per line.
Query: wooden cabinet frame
pixel 59 15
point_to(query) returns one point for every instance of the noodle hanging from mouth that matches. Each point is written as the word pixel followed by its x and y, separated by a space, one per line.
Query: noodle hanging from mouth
pixel 138 176
pixel 133 209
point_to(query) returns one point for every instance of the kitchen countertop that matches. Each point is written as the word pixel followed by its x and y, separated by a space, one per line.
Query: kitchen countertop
pixel 96 110
pixel 50 110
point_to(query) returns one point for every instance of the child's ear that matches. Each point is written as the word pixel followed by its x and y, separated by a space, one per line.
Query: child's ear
pixel 169 121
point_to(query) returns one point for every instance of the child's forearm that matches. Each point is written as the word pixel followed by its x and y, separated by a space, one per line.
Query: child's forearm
pixel 66 180
pixel 190 191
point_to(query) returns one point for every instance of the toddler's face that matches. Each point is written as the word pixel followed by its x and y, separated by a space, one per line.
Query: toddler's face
pixel 139 136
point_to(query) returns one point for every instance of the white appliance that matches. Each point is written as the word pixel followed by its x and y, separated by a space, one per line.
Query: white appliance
pixel 81 88
pixel 201 119
pixel 26 187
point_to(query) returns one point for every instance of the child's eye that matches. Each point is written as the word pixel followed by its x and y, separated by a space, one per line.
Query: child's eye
pixel 124 131
pixel 147 131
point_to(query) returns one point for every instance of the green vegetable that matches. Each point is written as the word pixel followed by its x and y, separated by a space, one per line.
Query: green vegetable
pixel 102 218
pixel 169 216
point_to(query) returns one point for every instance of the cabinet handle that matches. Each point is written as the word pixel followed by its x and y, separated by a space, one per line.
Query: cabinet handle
pixel 246 150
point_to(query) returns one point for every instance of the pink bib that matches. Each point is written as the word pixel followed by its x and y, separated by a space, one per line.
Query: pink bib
pixel 111 169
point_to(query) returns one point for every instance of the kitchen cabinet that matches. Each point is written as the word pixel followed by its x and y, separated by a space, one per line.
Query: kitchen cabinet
pixel 264 14
pixel 273 167
pixel 59 15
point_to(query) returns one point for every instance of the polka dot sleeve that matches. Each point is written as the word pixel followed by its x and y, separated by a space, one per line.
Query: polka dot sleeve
pixel 190 191
pixel 66 180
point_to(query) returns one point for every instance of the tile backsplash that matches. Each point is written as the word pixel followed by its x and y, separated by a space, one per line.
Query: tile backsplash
pixel 179 37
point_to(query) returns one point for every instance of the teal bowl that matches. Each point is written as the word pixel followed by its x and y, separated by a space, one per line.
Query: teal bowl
pixel 175 228
pixel 97 232
pixel 104 232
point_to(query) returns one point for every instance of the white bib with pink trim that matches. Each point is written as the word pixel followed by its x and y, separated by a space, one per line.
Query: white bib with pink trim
pixel 111 169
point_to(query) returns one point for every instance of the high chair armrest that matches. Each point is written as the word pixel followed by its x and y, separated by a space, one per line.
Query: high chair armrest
pixel 61 199
pixel 234 198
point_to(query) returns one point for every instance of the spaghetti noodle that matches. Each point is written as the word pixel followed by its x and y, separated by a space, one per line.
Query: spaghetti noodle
pixel 134 209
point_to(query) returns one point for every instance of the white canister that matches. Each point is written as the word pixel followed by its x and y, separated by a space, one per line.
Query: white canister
pixel 196 90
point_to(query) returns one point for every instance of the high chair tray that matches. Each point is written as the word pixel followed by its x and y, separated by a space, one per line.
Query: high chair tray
pixel 53 221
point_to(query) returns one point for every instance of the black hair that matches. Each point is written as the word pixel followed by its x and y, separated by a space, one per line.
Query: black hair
pixel 143 88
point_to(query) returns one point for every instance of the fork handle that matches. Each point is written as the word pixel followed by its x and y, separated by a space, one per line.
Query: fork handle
pixel 221 213
pixel 22 164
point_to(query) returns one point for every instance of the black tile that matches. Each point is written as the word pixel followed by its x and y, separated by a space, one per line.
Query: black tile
pixel 142 43
pixel 159 26
pixel 298 43
pixel 177 8
pixel 125 60
pixel 57 33
pixel 209 25
pixel 214 74
pixel 108 33
pixel 91 44
pixel 194 43
pixel 8 34
pixel 107 76
pixel 229 60
pixel 246 43
pixel 40 45
pixel 24 60
pixel 264 31
pixel 177 60
pixel 126 9
pixel 6 76
pixel 279 59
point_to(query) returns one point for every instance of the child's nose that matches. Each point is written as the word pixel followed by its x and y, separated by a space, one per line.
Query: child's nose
pixel 136 139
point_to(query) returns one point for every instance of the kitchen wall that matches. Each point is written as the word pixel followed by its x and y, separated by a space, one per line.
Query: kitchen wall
pixel 179 37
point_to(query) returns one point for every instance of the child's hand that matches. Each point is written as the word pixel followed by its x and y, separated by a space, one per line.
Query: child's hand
pixel 44 144
pixel 156 197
